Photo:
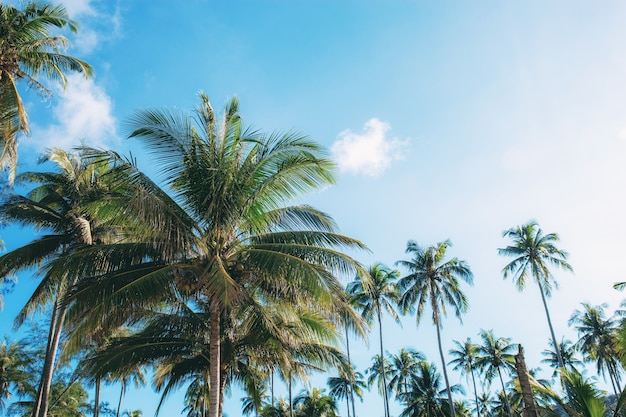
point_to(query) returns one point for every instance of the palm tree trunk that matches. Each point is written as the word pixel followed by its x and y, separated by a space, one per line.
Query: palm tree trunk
pixel 382 363
pixel 443 360
pixel 556 346
pixel 351 397
pixel 96 400
pixel 119 403
pixel 40 408
pixel 506 397
pixel 290 397
pixel 214 359
pixel 475 390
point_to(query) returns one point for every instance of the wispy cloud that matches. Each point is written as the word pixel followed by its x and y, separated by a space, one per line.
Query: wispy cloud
pixel 368 153
pixel 83 115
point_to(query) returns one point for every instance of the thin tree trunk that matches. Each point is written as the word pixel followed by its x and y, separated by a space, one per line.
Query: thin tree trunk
pixel 96 400
pixel 475 390
pixel 351 377
pixel 214 355
pixel 290 397
pixel 119 403
pixel 506 397
pixel 382 363
pixel 40 408
pixel 443 360
pixel 556 346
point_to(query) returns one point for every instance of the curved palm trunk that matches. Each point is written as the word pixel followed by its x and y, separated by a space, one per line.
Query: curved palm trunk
pixel 556 346
pixel 290 397
pixel 382 364
pixel 351 394
pixel 443 360
pixel 506 397
pixel 40 408
pixel 475 390
pixel 214 361
pixel 119 403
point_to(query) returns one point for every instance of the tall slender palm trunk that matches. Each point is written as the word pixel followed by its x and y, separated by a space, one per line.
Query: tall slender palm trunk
pixel 350 396
pixel 214 354
pixel 443 360
pixel 96 400
pixel 119 403
pixel 556 346
pixel 475 390
pixel 42 402
pixel 382 363
pixel 506 397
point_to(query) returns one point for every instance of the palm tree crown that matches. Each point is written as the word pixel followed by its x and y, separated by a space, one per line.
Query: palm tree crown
pixel 27 50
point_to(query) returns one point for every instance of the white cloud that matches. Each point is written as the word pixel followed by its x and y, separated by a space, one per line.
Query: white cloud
pixel 370 152
pixel 83 115
pixel 76 8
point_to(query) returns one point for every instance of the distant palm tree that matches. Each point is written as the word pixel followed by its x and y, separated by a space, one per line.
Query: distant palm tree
pixel 347 385
pixel 371 295
pixel 402 366
pixel 15 375
pixel 465 355
pixel 495 355
pixel 28 50
pixel 315 403
pixel 132 413
pixel 533 252
pixel 597 341
pixel 436 281
pixel 375 373
pixel 280 409
pixel 425 397
pixel 568 354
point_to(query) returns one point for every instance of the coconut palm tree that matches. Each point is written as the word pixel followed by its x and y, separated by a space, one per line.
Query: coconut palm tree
pixel 567 350
pixel 435 282
pixel 371 296
pixel 425 396
pixel 346 385
pixel 533 251
pixel 222 233
pixel 465 355
pixel 15 375
pixel 597 341
pixel 315 403
pixel 29 51
pixel 402 366
pixel 494 356
pixel 66 205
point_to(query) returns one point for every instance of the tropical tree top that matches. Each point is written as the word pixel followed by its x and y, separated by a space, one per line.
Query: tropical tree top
pixel 432 279
pixel 28 50
pixel 533 251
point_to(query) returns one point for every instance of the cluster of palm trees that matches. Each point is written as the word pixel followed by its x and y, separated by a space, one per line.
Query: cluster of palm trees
pixel 205 275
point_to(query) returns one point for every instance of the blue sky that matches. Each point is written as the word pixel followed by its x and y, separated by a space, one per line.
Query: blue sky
pixel 448 120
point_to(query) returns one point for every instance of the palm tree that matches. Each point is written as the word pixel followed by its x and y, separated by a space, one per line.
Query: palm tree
pixel 15 360
pixel 402 366
pixel 132 413
pixel 597 341
pixel 425 396
pixel 435 281
pixel 315 403
pixel 533 252
pixel 65 204
pixel 495 355
pixel 222 236
pixel 346 385
pixel 568 354
pixel 465 355
pixel 27 51
pixel 378 292
pixel 280 409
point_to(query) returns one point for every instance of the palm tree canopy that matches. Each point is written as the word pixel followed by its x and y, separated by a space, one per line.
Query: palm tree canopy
pixel 375 292
pixel 533 251
pixel 28 50
pixel 495 353
pixel 432 279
